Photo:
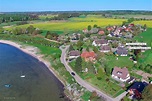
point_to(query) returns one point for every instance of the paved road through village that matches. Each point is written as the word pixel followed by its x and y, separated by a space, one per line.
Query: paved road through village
pixel 84 83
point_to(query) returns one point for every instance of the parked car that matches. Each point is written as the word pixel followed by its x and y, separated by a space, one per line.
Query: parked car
pixel 72 73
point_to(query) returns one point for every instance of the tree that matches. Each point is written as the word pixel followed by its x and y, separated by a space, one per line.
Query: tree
pixel 81 37
pixel 145 26
pixel 95 26
pixel 30 29
pixel 114 45
pixel 100 74
pixel 87 49
pixel 1 30
pixel 89 27
pixel 147 93
pixel 107 70
pixel 79 45
pixel 71 48
pixel 78 65
pixel 95 49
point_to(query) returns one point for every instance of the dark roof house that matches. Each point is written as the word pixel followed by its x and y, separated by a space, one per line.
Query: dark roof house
pixel 121 51
pixel 74 53
pixel 105 48
pixel 136 89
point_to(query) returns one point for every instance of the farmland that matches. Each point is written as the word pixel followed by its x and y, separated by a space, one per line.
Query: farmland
pixel 74 24
pixel 43 17
pixel 133 16
pixel 148 23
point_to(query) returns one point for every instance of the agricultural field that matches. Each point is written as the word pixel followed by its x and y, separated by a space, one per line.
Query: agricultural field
pixel 74 24
pixel 134 16
pixel 148 23
pixel 43 17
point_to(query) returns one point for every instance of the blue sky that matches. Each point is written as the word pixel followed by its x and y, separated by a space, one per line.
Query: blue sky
pixel 73 5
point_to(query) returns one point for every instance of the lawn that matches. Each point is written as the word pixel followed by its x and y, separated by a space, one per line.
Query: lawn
pixel 111 88
pixel 121 62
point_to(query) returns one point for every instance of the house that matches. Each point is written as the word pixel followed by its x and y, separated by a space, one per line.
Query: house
pixel 135 91
pixel 121 51
pixel 128 35
pixel 75 36
pixel 116 32
pixel 110 29
pixel 85 30
pixel 94 30
pixel 121 74
pixel 131 25
pixel 74 54
pixel 127 29
pixel 105 49
pixel 100 42
pixel 88 56
pixel 101 32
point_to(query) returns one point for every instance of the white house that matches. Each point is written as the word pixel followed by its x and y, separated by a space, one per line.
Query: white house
pixel 121 74
pixel 100 42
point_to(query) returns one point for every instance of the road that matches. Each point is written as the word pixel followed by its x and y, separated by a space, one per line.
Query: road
pixel 81 81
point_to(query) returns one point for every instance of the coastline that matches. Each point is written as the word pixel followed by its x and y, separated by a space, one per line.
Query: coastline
pixel 33 51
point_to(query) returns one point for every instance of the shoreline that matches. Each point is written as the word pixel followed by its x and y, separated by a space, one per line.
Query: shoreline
pixel 33 51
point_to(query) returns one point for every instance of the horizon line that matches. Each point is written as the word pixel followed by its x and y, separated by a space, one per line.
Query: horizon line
pixel 69 11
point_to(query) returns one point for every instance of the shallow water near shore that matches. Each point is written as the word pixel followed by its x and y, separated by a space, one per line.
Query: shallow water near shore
pixel 39 84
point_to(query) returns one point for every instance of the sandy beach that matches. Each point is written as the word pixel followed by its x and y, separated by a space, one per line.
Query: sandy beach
pixel 33 51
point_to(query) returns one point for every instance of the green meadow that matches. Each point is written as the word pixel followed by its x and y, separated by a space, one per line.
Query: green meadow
pixel 146 37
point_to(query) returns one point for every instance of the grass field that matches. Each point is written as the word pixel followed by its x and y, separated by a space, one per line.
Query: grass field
pixel 43 17
pixel 146 37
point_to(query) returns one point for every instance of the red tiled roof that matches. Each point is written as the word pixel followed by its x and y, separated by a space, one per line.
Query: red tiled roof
pixel 101 32
pixel 87 54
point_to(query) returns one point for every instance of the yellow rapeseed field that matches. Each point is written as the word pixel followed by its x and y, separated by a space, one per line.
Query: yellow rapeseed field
pixel 148 23
pixel 76 24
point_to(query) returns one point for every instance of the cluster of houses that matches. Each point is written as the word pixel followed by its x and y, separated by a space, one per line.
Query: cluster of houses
pixel 119 74
pixel 87 56
pixel 124 31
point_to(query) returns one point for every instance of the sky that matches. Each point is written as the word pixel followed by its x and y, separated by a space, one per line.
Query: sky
pixel 73 5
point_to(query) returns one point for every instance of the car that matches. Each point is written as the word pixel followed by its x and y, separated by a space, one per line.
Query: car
pixel 72 73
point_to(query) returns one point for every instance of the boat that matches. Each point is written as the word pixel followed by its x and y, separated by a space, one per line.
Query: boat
pixel 22 76
pixel 7 85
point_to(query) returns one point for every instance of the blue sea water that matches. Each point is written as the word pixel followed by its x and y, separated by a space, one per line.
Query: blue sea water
pixel 39 84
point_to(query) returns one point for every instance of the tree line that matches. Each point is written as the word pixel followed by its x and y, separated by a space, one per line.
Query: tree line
pixel 4 18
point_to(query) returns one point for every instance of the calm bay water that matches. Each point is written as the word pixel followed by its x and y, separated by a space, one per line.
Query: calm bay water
pixel 39 83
